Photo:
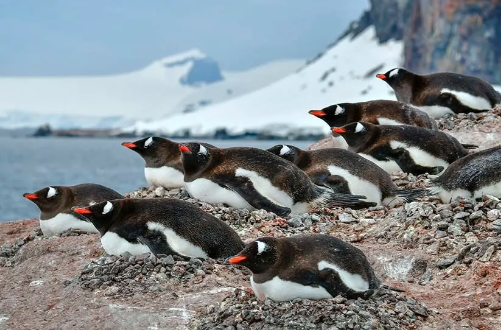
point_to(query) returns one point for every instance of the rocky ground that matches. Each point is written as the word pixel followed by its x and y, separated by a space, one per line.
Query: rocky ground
pixel 445 257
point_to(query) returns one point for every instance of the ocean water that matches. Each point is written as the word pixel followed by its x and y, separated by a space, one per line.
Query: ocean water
pixel 29 164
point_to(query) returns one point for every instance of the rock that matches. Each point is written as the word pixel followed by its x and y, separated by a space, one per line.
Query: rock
pixel 446 262
pixel 346 218
pixel 488 253
pixel 440 234
pixel 493 214
pixel 461 215
pixel 294 222
pixel 476 215
pixel 455 230
pixel 496 225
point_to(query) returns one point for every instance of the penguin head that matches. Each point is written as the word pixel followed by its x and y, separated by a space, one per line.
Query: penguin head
pixel 334 115
pixel 49 198
pixel 286 151
pixel 355 134
pixel 100 214
pixel 194 156
pixel 395 77
pixel 258 256
pixel 147 147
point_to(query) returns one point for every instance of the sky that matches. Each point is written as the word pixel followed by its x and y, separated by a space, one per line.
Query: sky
pixel 99 37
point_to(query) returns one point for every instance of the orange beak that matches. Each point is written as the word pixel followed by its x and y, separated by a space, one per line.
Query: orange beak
pixel 339 130
pixel 184 148
pixel 30 196
pixel 129 145
pixel 237 259
pixel 317 113
pixel 81 210
pixel 381 76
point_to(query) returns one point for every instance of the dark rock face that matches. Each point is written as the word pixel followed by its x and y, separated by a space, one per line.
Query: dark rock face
pixel 203 71
pixel 460 36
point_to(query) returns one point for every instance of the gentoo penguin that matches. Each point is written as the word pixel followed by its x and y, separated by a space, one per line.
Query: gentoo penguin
pixel 161 226
pixel 346 172
pixel 442 93
pixel 308 267
pixel 404 148
pixel 378 112
pixel 471 177
pixel 254 178
pixel 163 166
pixel 55 205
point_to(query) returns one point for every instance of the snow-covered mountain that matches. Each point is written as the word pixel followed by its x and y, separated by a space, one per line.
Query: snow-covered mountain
pixel 175 84
pixel 343 73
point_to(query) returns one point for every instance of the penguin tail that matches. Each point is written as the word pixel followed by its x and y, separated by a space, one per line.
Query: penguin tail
pixel 469 146
pixel 409 195
pixel 333 199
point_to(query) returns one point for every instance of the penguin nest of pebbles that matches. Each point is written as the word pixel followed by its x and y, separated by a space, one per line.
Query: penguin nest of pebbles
pixel 241 310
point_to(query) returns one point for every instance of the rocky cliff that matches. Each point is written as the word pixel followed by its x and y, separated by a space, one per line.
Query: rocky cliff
pixel 462 36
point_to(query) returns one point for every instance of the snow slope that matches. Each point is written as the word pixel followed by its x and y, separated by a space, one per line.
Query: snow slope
pixel 162 88
pixel 343 73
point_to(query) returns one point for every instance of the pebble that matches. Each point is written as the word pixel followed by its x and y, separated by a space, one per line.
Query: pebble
pixel 493 214
pixel 496 225
pixel 346 218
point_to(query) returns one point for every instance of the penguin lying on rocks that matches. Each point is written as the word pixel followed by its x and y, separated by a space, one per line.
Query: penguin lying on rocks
pixel 253 178
pixel 55 205
pixel 442 93
pixel 161 226
pixel 308 267
pixel 347 172
pixel 404 148
pixel 471 177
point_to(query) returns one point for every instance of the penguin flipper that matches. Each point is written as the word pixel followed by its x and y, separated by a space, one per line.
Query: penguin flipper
pixel 330 280
pixel 469 146
pixel 156 242
pixel 404 160
pixel 334 182
pixel 408 195
pixel 245 188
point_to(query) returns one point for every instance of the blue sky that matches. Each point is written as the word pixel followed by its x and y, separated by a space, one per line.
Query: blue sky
pixel 94 37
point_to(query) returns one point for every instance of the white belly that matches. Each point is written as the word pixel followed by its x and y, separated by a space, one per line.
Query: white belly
pixel 178 243
pixel 210 192
pixel 358 186
pixel 340 142
pixel 280 290
pixel 435 111
pixel 448 195
pixel 387 165
pixel 63 222
pixel 493 190
pixel 388 121
pixel 420 156
pixel 266 188
pixel 164 176
pixel 116 245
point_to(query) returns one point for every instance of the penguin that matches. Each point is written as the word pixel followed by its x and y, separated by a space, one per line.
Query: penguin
pixel 163 166
pixel 442 93
pixel 345 171
pixel 55 203
pixel 404 148
pixel 161 226
pixel 377 112
pixel 471 177
pixel 311 266
pixel 252 178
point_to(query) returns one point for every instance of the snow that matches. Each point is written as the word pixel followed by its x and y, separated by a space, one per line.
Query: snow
pixel 344 73
pixel 156 91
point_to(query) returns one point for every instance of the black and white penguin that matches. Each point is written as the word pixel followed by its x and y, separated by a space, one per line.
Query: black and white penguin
pixel 404 148
pixel 307 267
pixel 377 112
pixel 471 177
pixel 161 226
pixel 253 178
pixel 347 172
pixel 55 205
pixel 163 166
pixel 442 93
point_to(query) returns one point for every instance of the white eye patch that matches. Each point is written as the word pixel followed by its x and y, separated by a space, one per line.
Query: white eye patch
pixel 203 150
pixel 261 247
pixel 148 142
pixel 339 110
pixel 285 149
pixel 393 72
pixel 107 208
pixel 359 128
pixel 52 192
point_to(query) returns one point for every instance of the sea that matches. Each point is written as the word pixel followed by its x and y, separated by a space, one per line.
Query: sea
pixel 28 164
